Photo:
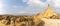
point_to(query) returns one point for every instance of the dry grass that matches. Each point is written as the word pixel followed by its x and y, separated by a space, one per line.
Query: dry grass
pixel 22 20
pixel 17 21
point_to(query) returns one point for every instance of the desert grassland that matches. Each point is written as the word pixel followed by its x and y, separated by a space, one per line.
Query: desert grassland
pixel 28 21
pixel 16 20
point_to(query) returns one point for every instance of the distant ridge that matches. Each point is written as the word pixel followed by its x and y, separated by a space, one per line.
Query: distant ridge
pixel 15 15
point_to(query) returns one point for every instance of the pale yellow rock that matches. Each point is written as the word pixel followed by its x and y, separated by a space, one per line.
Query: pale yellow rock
pixel 47 13
pixel 1 23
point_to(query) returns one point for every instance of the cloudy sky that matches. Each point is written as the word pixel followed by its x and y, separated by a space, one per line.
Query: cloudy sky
pixel 27 7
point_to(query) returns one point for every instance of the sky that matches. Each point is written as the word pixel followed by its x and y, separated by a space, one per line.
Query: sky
pixel 27 7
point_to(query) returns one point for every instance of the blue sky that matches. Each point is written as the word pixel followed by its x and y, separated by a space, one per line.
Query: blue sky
pixel 27 7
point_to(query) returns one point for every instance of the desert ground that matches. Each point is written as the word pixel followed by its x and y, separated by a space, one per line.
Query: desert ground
pixel 27 21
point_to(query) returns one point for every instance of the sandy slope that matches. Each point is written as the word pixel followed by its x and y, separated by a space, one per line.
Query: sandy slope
pixel 51 22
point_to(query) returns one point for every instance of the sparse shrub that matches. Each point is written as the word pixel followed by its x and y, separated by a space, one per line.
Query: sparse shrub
pixel 23 25
pixel 8 20
pixel 41 23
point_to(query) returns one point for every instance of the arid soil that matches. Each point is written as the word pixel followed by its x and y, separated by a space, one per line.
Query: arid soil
pixel 9 20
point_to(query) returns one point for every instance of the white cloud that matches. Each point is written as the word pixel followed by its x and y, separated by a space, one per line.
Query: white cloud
pixel 24 0
pixel 56 3
pixel 2 8
pixel 35 2
pixel 1 5
pixel 36 5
